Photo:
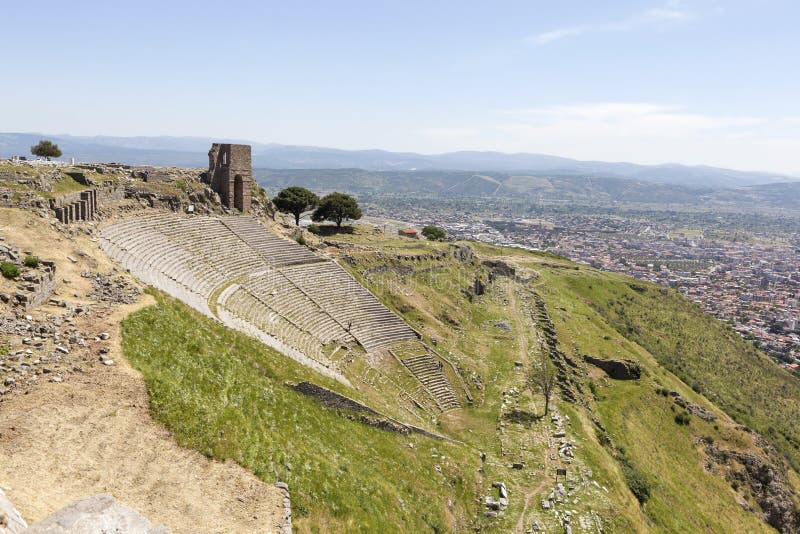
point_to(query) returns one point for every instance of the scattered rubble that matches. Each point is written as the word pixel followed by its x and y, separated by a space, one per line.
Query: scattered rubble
pixel 109 288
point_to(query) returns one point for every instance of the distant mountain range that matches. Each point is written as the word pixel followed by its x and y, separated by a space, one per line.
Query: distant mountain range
pixel 529 187
pixel 191 152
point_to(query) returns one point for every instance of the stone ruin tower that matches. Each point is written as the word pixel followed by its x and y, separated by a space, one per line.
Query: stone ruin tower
pixel 230 173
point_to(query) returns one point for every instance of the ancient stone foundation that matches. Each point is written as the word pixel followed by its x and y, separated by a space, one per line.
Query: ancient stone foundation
pixel 230 174
pixel 39 286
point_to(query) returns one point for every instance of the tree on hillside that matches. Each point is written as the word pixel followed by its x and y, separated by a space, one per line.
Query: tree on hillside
pixel 46 149
pixel 336 207
pixel 295 200
pixel 434 233
pixel 543 378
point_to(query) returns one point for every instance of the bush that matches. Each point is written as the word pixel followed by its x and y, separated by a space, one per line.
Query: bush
pixel 31 261
pixel 301 240
pixel 682 418
pixel 314 229
pixel 9 270
pixel 637 482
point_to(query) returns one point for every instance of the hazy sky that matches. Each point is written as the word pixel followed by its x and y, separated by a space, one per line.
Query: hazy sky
pixel 713 82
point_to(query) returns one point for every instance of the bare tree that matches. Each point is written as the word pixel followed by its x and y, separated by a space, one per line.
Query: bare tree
pixel 542 378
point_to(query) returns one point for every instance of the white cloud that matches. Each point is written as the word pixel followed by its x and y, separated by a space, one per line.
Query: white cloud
pixel 554 35
pixel 653 17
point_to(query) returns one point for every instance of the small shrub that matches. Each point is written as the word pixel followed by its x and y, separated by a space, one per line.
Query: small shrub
pixel 9 270
pixel 314 229
pixel 301 240
pixel 637 481
pixel 682 418
pixel 31 261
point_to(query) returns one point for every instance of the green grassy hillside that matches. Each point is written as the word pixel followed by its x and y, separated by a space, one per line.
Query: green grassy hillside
pixel 224 394
pixel 705 353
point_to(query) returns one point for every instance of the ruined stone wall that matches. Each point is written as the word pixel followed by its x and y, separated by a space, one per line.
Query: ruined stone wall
pixel 230 174
pixel 331 399
pixel 83 205
pixel 110 193
pixel 40 289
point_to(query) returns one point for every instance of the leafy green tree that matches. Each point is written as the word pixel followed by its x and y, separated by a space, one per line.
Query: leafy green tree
pixel 46 149
pixel 295 200
pixel 336 207
pixel 434 233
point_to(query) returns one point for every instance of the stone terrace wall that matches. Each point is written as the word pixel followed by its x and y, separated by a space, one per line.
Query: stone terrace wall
pixel 331 399
pixel 83 205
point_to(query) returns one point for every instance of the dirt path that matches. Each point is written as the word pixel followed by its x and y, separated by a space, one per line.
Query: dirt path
pixel 92 433
pixel 521 522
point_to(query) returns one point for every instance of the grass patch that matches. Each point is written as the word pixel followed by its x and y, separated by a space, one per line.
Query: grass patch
pixel 223 394
pixel 9 270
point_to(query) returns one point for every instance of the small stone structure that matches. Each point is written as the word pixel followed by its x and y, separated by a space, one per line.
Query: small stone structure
pixel 230 173
pixel 39 285
pixel 617 369
pixel 35 284
pixel 408 232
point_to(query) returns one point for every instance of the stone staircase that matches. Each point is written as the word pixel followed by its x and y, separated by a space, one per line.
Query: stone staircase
pixel 428 370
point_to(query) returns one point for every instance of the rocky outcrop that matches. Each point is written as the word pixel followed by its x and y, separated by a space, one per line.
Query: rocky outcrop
pixel 767 481
pixel 100 513
pixel 462 253
pixel 11 521
pixel 499 268
pixel 693 409
pixel 617 369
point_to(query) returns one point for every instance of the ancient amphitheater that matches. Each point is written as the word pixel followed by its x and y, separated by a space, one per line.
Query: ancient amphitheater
pixel 235 270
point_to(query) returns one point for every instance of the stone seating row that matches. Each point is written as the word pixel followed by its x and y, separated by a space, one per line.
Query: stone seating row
pixel 243 304
pixel 274 250
pixel 428 371
pixel 278 293
pixel 338 293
